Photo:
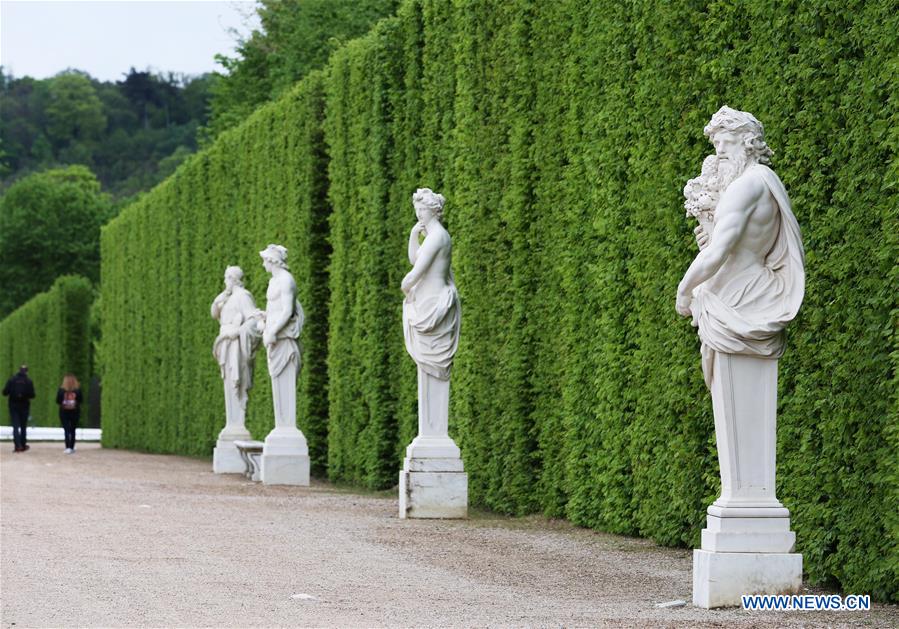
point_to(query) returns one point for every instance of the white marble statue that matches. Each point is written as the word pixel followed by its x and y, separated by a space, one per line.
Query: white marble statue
pixel 431 311
pixel 433 482
pixel 234 349
pixel 285 458
pixel 742 289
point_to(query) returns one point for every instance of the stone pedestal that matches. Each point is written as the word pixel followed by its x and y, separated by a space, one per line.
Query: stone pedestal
pixel 226 458
pixel 433 482
pixel 720 579
pixel 745 550
pixel 747 545
pixel 285 458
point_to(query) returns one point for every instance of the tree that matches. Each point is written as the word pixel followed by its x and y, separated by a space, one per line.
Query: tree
pixel 74 112
pixel 49 226
pixel 140 89
pixel 121 131
pixel 296 37
pixel 22 121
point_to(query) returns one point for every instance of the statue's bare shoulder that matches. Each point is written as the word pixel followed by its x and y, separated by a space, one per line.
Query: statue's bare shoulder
pixel 744 194
pixel 288 284
pixel 441 239
pixel 282 284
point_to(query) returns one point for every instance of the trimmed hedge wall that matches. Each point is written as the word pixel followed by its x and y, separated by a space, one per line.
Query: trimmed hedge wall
pixel 561 134
pixel 163 262
pixel 51 334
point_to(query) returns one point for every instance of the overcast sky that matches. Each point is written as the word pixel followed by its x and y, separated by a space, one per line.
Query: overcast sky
pixel 105 38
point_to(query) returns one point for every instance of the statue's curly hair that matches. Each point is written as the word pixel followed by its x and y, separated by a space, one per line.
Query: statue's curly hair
pixel 735 121
pixel 237 273
pixel 433 200
pixel 276 255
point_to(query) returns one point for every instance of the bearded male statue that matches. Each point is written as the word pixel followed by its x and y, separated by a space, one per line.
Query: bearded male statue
pixel 742 289
pixel 748 280
pixel 234 349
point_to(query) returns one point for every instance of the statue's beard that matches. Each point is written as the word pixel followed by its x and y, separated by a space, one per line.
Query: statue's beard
pixel 731 168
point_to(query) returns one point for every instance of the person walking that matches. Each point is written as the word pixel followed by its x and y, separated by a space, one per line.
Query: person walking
pixel 20 391
pixel 69 399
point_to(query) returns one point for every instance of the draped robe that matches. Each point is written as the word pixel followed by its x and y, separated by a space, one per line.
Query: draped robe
pixel 748 314
pixel 431 326
pixel 235 355
pixel 286 348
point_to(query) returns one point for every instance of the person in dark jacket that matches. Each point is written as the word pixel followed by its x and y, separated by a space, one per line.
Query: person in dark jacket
pixel 20 390
pixel 69 399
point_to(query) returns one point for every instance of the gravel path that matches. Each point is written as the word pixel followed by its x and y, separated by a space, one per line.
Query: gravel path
pixel 122 539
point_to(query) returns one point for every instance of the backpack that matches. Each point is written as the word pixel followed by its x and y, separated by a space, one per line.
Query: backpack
pixel 69 401
pixel 20 388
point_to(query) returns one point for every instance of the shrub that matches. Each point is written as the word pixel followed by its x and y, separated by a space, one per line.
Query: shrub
pixel 51 334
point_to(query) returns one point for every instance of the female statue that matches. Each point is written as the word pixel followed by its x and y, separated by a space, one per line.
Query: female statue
pixel 431 310
pixel 433 482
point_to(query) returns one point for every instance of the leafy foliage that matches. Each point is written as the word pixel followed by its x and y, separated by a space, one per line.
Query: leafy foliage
pixel 131 133
pixel 297 36
pixel 49 226
pixel 51 335
pixel 74 112
pixel 561 134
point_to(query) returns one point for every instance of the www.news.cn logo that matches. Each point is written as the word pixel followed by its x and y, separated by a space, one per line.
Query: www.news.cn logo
pixel 809 602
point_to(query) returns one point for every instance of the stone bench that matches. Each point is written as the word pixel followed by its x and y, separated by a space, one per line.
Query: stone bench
pixel 250 452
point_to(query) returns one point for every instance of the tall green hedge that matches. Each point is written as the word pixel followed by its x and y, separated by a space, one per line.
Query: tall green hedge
pixel 51 334
pixel 561 134
pixel 163 262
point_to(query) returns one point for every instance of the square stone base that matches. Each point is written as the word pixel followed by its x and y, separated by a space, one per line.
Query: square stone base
pixel 433 494
pixel 284 469
pixel 720 579
pixel 226 458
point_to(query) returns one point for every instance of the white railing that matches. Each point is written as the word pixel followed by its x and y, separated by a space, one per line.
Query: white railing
pixel 44 433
